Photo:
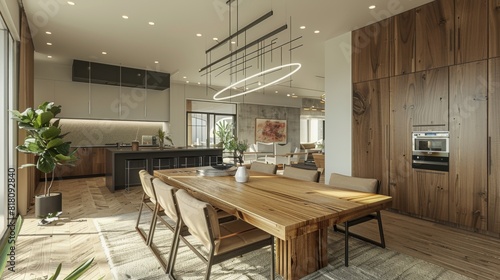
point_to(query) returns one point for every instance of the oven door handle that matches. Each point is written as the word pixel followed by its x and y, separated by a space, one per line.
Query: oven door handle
pixel 429 162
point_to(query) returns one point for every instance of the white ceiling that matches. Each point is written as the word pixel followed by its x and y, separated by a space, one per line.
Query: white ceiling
pixel 84 30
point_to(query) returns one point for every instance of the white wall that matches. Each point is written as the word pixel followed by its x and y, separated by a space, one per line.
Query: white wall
pixel 11 15
pixel 338 105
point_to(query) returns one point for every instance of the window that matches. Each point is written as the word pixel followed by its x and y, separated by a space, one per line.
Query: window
pixel 8 60
pixel 312 129
pixel 202 119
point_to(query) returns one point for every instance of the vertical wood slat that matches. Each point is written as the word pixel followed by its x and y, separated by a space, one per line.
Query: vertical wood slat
pixel 370 52
pixel 370 119
pixel 494 145
pixel 403 43
pixel 26 177
pixel 494 28
pixel 468 142
pixel 434 29
pixel 471 25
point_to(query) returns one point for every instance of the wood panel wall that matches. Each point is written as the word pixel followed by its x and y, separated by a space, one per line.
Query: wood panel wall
pixel 403 46
pixel 494 28
pixel 432 194
pixel 434 35
pixel 494 146
pixel 370 131
pixel 468 145
pixel 26 177
pixel 471 23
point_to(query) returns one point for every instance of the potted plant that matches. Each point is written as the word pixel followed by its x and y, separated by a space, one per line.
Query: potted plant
pixel 238 148
pixel 162 136
pixel 44 139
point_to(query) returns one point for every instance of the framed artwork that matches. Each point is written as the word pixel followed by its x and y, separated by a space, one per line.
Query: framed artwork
pixel 267 130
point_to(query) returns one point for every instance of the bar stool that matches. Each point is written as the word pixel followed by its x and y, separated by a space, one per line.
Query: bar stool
pixel 132 168
pixel 164 163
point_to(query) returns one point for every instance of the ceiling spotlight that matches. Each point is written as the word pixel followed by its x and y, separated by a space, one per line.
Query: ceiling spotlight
pixel 48 32
pixel 71 3
pixel 156 62
pixel 302 27
pixel 49 56
pixel 151 23
pixel 104 53
pixel 288 94
pixel 187 82
pixel 49 44
pixel 276 91
pixel 316 31
pixel 215 39
pixel 199 83
pixel 372 7
pixel 198 35
pixel 294 96
pixel 259 83
pixel 184 77
pixel 233 42
pixel 125 17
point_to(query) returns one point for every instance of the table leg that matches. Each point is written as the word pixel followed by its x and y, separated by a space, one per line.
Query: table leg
pixel 303 255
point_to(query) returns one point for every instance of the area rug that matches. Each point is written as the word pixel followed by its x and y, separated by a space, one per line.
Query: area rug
pixel 130 258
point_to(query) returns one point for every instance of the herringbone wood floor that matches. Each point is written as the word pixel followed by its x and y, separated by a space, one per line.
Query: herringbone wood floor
pixel 74 239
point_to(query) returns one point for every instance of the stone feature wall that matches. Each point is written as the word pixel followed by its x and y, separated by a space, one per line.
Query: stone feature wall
pixel 247 113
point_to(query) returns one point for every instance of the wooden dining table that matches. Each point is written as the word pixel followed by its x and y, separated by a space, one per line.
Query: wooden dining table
pixel 297 213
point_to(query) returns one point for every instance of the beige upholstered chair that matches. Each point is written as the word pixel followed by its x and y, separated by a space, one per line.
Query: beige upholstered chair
pixel 167 205
pixel 149 200
pixel 301 174
pixel 361 185
pixel 263 167
pixel 222 241
pixel 281 154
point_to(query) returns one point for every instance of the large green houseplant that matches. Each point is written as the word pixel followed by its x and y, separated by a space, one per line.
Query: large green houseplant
pixel 44 139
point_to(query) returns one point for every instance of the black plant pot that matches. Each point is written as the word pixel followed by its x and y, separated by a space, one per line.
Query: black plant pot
pixel 48 204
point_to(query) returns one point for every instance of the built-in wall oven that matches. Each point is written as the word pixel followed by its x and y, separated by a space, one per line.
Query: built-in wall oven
pixel 431 150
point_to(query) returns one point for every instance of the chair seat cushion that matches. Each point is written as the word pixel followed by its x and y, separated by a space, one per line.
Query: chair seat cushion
pixel 236 234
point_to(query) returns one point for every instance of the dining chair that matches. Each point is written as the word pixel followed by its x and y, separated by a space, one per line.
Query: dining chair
pixel 223 241
pixel 166 204
pixel 149 200
pixel 301 174
pixel 264 167
pixel 319 161
pixel 367 185
pixel 281 154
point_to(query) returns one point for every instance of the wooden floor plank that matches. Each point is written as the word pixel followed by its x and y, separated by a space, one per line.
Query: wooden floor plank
pixel 75 239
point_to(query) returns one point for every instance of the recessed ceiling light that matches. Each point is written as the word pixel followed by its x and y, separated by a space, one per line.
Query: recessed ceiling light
pixel 49 56
pixel 71 3
pixel 294 96
pixel 104 53
pixel 259 83
pixel 48 32
pixel 215 39
pixel 302 27
pixel 48 43
pixel 316 31
pixel 199 83
pixel 125 16
pixel 187 82
pixel 288 94
pixel 151 23
pixel 156 62
pixel 198 35
pixel 372 7
pixel 233 42
pixel 275 91
pixel 184 77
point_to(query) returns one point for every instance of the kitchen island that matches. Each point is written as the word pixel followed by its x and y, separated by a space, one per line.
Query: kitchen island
pixel 123 164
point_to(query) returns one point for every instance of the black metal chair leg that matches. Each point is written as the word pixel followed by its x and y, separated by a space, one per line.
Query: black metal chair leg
pixel 346 248
pixel 380 230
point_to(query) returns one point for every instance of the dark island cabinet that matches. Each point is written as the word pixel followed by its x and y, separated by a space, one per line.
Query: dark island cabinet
pixel 123 165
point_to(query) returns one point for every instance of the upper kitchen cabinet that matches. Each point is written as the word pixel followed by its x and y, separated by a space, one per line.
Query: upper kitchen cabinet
pixel 74 99
pixel 434 29
pixel 104 102
pixel 494 27
pixel 370 52
pixel 494 146
pixel 370 154
pixel 471 25
pixel 403 46
pixel 157 105
pixel 430 102
pixel 468 193
pixel 133 103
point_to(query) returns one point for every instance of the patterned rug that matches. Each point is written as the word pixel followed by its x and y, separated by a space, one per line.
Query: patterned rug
pixel 129 258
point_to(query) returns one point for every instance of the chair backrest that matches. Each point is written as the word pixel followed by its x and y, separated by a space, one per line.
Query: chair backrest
pixel 301 174
pixel 147 185
pixel 264 147
pixel 282 149
pixel 263 167
pixel 165 195
pixel 368 185
pixel 298 158
pixel 200 218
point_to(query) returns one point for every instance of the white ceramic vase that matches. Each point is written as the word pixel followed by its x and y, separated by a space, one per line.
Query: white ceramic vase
pixel 241 175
